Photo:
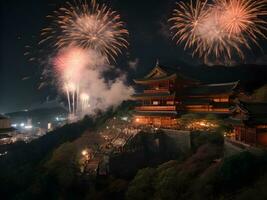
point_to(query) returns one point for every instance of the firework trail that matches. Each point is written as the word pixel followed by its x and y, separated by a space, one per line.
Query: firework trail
pixel 68 96
pixel 76 30
pixel 68 67
pixel 84 98
pixel 220 28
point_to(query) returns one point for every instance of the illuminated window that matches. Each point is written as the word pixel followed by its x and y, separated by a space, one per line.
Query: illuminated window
pixel 156 103
pixel 137 120
pixel 221 100
pixel 262 126
pixel 170 102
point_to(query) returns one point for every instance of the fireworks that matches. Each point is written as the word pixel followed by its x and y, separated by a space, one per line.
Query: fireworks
pixel 89 26
pixel 69 64
pixel 82 36
pixel 243 17
pixel 70 88
pixel 84 98
pixel 219 29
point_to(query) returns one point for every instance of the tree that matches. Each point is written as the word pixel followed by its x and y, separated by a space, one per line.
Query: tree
pixel 141 188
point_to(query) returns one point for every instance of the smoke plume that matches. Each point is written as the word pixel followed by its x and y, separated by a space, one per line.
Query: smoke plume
pixel 83 71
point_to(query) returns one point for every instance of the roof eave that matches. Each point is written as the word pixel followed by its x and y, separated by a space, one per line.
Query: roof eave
pixel 148 81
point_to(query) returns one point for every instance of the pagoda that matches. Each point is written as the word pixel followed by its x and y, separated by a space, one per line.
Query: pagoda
pixel 168 94
pixel 249 121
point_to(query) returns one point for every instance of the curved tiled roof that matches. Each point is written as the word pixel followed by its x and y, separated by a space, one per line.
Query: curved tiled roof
pixel 211 89
pixel 256 112
pixel 160 73
pixel 149 95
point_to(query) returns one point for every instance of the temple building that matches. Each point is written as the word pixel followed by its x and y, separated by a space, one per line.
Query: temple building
pixel 249 121
pixel 169 94
pixel 5 130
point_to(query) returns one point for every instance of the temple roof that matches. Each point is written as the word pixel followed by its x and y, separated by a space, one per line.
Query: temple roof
pixel 160 73
pixel 149 95
pixel 256 112
pixel 212 89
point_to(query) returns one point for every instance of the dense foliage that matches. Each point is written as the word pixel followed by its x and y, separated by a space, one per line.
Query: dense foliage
pixel 149 168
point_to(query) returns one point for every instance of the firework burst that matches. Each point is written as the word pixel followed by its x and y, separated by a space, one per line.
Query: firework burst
pixel 89 26
pixel 219 29
pixel 187 18
pixel 243 17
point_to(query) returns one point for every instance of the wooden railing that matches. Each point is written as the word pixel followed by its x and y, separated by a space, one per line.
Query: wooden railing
pixel 209 109
pixel 160 90
pixel 156 108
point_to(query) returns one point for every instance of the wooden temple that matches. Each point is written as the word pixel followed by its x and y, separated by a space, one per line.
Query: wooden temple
pixel 169 94
pixel 249 121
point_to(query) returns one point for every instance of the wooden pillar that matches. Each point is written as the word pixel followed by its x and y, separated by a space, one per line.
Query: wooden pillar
pixel 256 139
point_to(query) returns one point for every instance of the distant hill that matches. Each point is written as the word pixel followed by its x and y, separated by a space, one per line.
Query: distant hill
pixel 251 76
pixel 260 95
pixel 42 114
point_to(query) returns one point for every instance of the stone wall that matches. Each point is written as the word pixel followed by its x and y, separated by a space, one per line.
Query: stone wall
pixel 180 139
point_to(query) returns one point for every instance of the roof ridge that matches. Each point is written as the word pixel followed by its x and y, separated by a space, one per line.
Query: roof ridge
pixel 221 84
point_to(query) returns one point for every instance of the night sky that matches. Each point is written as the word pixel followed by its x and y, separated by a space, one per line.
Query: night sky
pixel 22 20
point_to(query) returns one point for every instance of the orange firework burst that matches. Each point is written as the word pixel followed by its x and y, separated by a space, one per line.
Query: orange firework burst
pixel 187 18
pixel 219 29
pixel 89 26
pixel 243 17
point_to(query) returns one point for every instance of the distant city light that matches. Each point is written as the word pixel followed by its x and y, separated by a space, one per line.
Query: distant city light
pixel 3 154
pixel 124 118
pixel 28 127
pixel 84 152
pixel 49 126
pixel 14 125
pixel 22 125
pixel 60 119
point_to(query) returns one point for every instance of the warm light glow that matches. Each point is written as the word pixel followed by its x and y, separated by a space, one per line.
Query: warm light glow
pixel 69 64
pixel 84 97
pixel 84 152
pixel 70 87
pixel 202 124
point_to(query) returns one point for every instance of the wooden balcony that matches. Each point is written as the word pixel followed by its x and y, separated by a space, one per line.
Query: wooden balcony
pixel 208 109
pixel 156 108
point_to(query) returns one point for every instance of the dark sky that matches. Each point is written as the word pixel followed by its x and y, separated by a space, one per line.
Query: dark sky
pixel 21 21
